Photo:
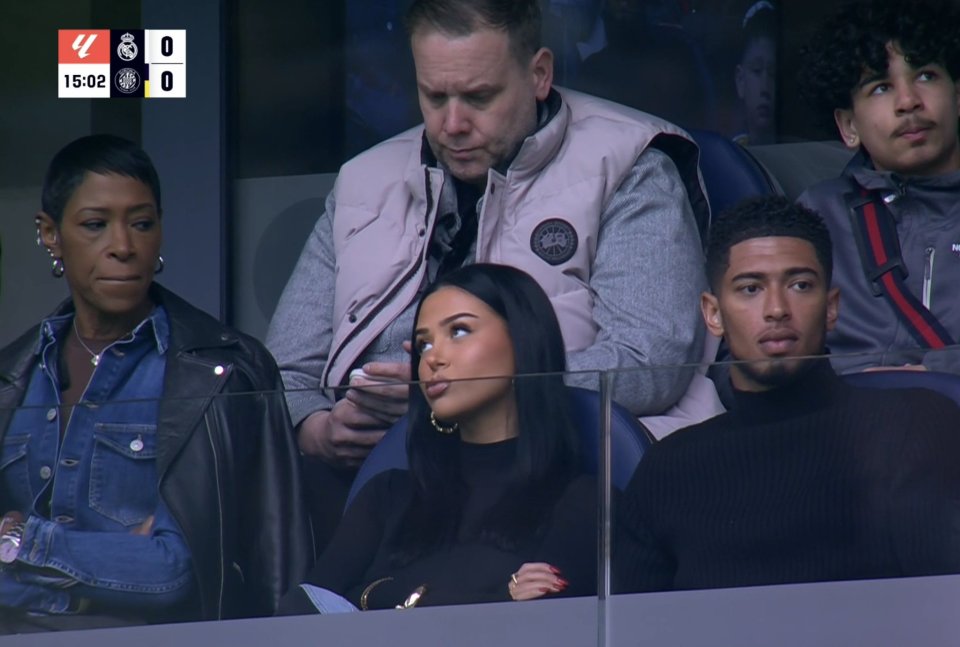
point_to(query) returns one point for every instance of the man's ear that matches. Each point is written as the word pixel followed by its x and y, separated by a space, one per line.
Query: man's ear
pixel 541 68
pixel 833 307
pixel 847 126
pixel 49 235
pixel 710 308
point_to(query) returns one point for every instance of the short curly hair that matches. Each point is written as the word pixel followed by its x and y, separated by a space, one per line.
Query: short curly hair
pixel 854 40
pixel 763 217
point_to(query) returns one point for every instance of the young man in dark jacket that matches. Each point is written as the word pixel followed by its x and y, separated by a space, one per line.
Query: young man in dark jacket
pixel 885 72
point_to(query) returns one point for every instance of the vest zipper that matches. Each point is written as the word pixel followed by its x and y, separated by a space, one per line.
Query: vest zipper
pixel 927 276
pixel 399 285
pixel 373 312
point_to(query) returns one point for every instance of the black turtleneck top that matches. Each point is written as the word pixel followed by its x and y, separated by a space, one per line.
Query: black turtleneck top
pixel 814 481
pixel 467 570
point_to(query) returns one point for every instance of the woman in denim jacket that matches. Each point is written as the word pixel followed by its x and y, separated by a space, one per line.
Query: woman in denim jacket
pixel 133 488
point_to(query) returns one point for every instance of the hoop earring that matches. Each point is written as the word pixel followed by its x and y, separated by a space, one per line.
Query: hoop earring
pixel 56 268
pixel 160 265
pixel 439 427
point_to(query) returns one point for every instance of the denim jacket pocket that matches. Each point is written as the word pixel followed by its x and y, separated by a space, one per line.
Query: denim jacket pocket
pixel 123 472
pixel 15 490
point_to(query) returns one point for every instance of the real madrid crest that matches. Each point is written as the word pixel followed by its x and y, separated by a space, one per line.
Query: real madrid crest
pixel 127 49
pixel 554 240
pixel 127 80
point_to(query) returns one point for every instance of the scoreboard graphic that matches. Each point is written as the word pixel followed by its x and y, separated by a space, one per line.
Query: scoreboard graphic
pixel 105 63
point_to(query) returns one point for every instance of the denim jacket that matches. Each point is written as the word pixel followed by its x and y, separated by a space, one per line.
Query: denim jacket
pixel 227 466
pixel 99 482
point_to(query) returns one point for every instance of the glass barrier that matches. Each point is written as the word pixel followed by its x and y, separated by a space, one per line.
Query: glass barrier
pixel 817 495
pixel 148 510
pixel 543 487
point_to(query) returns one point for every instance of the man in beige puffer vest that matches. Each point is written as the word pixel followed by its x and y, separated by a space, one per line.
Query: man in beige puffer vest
pixel 602 204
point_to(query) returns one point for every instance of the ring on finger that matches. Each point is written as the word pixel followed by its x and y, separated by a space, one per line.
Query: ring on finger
pixel 513 579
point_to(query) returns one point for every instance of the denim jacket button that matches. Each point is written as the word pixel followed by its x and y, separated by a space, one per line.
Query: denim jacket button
pixel 52 414
pixel 45 472
pixel 218 370
pixel 136 444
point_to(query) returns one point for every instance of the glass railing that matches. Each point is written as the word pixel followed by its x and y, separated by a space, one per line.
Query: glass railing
pixel 817 504
pixel 522 488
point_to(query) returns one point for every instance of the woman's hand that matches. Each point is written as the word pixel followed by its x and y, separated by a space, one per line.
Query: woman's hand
pixel 143 529
pixel 534 580
pixel 10 519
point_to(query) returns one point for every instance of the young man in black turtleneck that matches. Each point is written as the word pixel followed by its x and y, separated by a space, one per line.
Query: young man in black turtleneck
pixel 805 478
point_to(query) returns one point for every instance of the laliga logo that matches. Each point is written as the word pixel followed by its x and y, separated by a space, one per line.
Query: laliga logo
pixel 82 48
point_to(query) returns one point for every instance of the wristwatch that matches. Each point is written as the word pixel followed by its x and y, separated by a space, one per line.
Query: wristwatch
pixel 10 543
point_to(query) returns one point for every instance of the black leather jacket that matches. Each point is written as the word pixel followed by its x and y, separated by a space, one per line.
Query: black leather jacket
pixel 227 459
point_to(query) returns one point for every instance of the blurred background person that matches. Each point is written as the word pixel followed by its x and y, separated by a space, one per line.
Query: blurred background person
pixel 756 75
pixel 650 63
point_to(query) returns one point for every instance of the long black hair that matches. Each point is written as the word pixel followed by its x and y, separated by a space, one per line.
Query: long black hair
pixel 547 455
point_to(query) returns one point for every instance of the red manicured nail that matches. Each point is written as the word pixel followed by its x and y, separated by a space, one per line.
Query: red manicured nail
pixel 555 570
pixel 562 582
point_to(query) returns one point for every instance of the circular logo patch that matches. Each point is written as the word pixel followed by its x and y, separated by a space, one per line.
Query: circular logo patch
pixel 554 240
pixel 127 80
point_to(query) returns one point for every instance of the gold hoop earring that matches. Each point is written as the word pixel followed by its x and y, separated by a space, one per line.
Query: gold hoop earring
pixel 439 427
pixel 56 268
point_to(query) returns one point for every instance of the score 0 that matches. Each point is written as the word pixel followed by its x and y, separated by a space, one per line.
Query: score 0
pixel 166 61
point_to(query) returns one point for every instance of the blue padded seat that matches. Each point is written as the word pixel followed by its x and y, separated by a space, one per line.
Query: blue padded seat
pixel 729 172
pixel 629 439
pixel 946 384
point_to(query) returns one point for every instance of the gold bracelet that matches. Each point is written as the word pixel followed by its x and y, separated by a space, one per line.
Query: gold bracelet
pixel 370 587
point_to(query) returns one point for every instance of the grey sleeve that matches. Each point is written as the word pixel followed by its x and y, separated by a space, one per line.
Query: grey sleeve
pixel 647 278
pixel 301 329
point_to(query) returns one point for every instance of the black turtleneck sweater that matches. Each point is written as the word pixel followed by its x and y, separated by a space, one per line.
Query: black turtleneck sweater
pixel 468 570
pixel 815 481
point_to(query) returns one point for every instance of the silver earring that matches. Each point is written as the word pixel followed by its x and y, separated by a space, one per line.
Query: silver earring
pixel 56 268
pixel 160 265
pixel 439 427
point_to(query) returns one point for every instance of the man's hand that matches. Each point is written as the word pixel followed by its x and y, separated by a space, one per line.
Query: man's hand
pixel 345 435
pixel 383 392
pixel 342 436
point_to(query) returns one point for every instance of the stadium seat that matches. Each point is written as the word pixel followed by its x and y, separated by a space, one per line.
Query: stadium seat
pixel 797 166
pixel 730 173
pixel 946 384
pixel 629 440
